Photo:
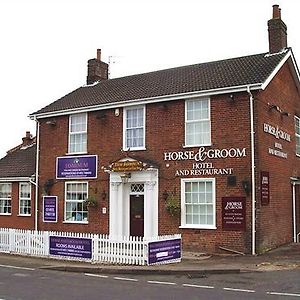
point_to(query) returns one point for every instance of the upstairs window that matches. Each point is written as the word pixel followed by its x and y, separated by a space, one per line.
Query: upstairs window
pixel 5 198
pixel 78 133
pixel 197 122
pixel 134 128
pixel 297 134
pixel 25 198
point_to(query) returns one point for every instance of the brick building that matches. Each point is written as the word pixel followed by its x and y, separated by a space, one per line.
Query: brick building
pixel 17 189
pixel 210 151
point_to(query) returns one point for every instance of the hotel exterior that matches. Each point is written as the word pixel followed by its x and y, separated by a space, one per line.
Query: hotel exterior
pixel 210 151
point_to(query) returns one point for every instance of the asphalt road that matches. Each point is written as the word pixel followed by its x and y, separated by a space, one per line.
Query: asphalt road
pixel 27 283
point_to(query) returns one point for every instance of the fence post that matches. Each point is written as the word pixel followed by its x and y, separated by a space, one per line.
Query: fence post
pixel 11 240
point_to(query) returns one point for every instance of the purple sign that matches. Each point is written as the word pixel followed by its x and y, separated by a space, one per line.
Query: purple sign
pixel 68 246
pixel 234 213
pixel 163 251
pixel 50 209
pixel 76 167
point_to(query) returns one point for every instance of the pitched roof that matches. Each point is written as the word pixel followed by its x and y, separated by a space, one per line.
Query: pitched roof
pixel 19 163
pixel 252 69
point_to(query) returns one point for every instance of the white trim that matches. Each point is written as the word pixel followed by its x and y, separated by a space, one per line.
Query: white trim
pixel 296 134
pixel 124 128
pixel 294 212
pixel 10 213
pixel 14 179
pixel 275 71
pixel 183 211
pixel 164 98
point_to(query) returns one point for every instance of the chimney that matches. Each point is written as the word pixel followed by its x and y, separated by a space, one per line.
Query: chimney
pixel 97 69
pixel 277 31
pixel 27 140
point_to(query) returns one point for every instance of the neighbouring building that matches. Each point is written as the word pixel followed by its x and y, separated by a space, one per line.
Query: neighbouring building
pixel 210 151
pixel 17 189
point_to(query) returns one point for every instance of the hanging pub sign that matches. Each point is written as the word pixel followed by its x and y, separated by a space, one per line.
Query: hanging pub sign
pixel 234 213
pixel 127 166
pixel 50 209
pixel 76 167
pixel 265 188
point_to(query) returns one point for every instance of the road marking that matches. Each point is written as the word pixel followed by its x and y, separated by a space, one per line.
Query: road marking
pixel 161 282
pixel 14 267
pixel 198 286
pixel 238 290
pixel 96 275
pixel 283 294
pixel 125 279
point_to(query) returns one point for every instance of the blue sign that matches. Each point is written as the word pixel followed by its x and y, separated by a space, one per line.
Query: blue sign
pixel 50 209
pixel 163 251
pixel 76 167
pixel 73 247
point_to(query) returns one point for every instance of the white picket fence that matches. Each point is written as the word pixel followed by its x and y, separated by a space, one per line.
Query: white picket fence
pixel 105 249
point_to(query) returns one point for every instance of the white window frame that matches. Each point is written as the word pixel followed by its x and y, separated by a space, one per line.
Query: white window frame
pixel 297 135
pixel 195 121
pixel 143 147
pixel 75 201
pixel 183 206
pixel 77 133
pixel 24 199
pixel 2 200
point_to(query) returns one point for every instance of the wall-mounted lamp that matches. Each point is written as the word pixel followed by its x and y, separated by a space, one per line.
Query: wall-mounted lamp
pixel 125 177
pixel 285 113
pixel 51 123
pixel 103 195
pixel 246 186
pixel 48 185
pixel 231 97
pixel 165 195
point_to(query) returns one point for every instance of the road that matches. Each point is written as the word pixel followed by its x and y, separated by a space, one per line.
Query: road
pixel 29 283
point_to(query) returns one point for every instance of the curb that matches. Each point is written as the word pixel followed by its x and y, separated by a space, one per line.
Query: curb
pixel 192 273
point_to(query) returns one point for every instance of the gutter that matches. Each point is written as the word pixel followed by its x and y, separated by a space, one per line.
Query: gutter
pixel 253 206
pixel 182 96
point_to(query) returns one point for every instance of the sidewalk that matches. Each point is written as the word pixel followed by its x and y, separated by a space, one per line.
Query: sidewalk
pixel 193 264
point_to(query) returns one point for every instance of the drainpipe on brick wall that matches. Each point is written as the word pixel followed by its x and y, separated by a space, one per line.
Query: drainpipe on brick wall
pixel 252 172
pixel 37 174
pixel 294 212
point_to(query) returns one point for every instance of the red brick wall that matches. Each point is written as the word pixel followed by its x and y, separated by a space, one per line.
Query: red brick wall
pixel 14 220
pixel 274 226
pixel 164 132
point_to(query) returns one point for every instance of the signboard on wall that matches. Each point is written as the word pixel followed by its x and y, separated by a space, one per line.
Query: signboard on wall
pixel 76 167
pixel 164 251
pixel 265 188
pixel 68 246
pixel 49 209
pixel 127 166
pixel 234 213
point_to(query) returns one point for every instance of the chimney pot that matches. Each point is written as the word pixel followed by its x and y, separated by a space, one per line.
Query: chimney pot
pixel 276 12
pixel 98 54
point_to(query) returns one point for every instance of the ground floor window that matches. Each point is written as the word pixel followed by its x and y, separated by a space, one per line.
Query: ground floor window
pixel 5 198
pixel 25 198
pixel 75 206
pixel 198 203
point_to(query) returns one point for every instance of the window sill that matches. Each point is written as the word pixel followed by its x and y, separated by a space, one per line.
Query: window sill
pixel 134 149
pixel 5 214
pixel 76 222
pixel 195 146
pixel 76 153
pixel 197 227
pixel 23 215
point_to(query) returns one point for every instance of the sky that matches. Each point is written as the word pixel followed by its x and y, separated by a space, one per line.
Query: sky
pixel 45 44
